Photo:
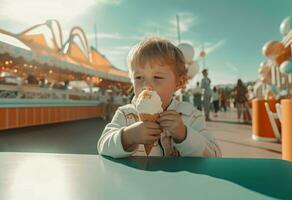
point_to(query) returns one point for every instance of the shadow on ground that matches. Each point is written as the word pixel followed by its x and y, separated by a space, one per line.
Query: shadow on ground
pixel 77 137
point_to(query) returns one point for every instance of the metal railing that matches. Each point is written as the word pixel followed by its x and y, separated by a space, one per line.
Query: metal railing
pixel 35 92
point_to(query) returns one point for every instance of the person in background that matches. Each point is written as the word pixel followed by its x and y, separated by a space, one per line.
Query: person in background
pixel 197 96
pixel 215 100
pixel 44 83
pixel 118 98
pixel 64 85
pixel 207 92
pixel 222 100
pixel 130 94
pixel 185 95
pixel 104 101
pixel 250 93
pixel 31 79
pixel 240 98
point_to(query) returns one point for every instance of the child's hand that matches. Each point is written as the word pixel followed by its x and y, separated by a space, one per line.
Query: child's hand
pixel 171 121
pixel 140 133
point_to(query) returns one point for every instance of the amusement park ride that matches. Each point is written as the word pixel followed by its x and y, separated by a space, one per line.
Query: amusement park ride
pixel 46 80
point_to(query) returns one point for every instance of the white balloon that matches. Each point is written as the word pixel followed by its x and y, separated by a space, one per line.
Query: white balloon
pixel 193 69
pixel 188 51
pixel 265 68
pixel 286 25
pixel 263 63
pixel 266 78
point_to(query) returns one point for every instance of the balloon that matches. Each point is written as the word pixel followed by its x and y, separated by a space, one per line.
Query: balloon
pixel 275 90
pixel 286 25
pixel 264 63
pixel 272 49
pixel 286 67
pixel 265 68
pixel 188 51
pixel 202 54
pixel 266 80
pixel 193 69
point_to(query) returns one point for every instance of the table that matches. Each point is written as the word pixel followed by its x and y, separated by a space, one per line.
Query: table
pixel 67 176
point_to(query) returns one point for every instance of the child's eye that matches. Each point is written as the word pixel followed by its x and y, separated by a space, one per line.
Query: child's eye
pixel 138 77
pixel 158 77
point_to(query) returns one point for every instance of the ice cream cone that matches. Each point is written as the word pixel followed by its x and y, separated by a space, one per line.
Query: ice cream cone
pixel 148 148
pixel 148 105
pixel 149 118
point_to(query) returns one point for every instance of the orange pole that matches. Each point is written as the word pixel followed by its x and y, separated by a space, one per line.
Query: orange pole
pixel 287 129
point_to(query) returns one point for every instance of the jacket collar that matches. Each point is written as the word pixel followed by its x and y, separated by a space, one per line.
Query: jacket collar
pixel 180 107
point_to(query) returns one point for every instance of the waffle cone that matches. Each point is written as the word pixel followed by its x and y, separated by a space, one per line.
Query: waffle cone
pixel 149 118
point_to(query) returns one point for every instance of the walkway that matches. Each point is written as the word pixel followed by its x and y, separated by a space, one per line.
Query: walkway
pixel 80 137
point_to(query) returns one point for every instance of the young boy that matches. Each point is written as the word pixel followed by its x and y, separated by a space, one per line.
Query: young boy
pixel 179 131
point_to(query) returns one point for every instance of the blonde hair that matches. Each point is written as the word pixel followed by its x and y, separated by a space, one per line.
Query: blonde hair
pixel 155 50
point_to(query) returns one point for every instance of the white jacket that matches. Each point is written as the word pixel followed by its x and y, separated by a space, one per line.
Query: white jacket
pixel 198 142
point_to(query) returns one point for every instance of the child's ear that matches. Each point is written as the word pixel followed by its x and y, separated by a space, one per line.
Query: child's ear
pixel 181 82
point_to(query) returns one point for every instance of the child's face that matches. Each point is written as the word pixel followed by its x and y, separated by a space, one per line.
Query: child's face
pixel 162 79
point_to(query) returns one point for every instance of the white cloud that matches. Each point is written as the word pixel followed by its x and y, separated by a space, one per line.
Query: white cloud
pixel 111 2
pixel 114 52
pixel 214 46
pixel 232 67
pixel 186 21
pixel 217 77
pixel 115 36
pixel 223 77
pixel 105 36
pixel 37 11
pixel 168 28
pixel 116 56
pixel 123 48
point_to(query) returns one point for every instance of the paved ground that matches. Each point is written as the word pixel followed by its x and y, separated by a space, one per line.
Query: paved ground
pixel 235 139
pixel 80 137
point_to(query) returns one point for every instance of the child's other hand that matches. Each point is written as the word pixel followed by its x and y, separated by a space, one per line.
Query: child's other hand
pixel 171 121
pixel 140 133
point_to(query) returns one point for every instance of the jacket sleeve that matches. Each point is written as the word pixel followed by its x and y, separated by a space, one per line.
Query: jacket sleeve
pixel 199 141
pixel 110 143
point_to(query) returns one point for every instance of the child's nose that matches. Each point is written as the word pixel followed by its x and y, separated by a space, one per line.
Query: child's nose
pixel 148 84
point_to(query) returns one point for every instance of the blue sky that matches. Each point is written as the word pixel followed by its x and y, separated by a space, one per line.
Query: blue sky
pixel 233 31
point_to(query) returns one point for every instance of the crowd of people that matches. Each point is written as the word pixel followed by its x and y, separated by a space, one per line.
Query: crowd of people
pixel 27 88
pixel 218 99
pixel 202 96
